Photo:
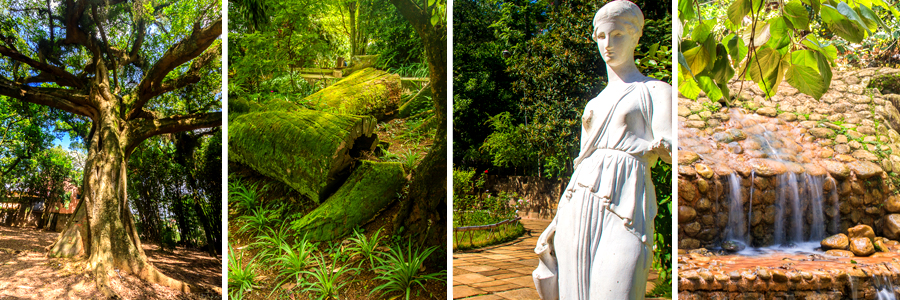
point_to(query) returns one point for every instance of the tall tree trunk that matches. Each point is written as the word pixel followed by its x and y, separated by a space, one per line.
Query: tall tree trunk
pixel 110 239
pixel 425 214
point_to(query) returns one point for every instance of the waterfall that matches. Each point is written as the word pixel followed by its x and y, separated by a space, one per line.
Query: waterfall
pixel 814 196
pixel 884 288
pixel 833 198
pixel 737 226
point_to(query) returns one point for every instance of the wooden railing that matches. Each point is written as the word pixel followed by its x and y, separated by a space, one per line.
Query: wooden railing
pixel 490 227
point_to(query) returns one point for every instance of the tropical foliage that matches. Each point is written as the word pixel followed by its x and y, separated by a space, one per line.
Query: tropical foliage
pixel 769 43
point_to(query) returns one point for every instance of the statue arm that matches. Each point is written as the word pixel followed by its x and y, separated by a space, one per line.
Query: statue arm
pixel 661 124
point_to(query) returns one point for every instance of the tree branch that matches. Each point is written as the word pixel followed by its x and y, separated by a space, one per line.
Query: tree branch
pixel 192 76
pixel 64 99
pixel 180 53
pixel 141 129
pixel 63 77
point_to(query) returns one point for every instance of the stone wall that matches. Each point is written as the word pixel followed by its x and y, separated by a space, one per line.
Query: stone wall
pixel 848 139
pixel 542 194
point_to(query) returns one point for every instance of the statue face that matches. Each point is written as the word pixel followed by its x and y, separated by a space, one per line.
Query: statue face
pixel 615 44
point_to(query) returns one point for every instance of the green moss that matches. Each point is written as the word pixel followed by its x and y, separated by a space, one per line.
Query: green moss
pixel 887 84
pixel 367 92
pixel 371 188
pixel 303 148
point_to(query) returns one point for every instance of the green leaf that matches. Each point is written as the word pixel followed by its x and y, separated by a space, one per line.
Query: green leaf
pixel 736 50
pixel 759 36
pixel 710 88
pixel 869 16
pixel 726 92
pixel 697 58
pixel 686 10
pixel 796 13
pixel 851 14
pixel 701 32
pixel 737 11
pixel 779 32
pixel 766 68
pixel 722 71
pixel 689 88
pixel 683 66
pixel 828 50
pixel 803 74
pixel 841 25
pixel 814 4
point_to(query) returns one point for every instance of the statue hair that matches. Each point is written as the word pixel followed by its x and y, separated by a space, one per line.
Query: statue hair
pixel 622 11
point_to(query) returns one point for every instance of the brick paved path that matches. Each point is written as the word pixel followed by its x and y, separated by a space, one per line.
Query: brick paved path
pixel 502 272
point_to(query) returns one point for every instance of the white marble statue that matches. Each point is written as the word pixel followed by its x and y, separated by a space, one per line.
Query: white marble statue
pixel 599 245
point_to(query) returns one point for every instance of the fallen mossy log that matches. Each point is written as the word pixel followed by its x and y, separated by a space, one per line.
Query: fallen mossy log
pixel 308 150
pixel 371 188
pixel 367 92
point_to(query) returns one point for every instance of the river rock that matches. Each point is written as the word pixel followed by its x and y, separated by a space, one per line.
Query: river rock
pixel 836 169
pixel 869 130
pixel 861 231
pixel 864 169
pixel 767 167
pixel 703 170
pixel 686 213
pixel 841 139
pixel 880 247
pixel 864 155
pixel 787 117
pixel 815 170
pixel 842 148
pixel 688 171
pixel 687 157
pixel 733 246
pixel 837 241
pixel 822 133
pixel 892 226
pixel 738 134
pixel 683 111
pixel 767 111
pixel 695 124
pixel 723 137
pixel 840 253
pixel 892 204
pixel 687 191
pixel 861 246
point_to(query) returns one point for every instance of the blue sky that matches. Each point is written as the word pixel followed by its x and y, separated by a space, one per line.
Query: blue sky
pixel 64 142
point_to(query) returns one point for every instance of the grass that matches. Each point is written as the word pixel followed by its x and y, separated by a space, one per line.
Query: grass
pixel 293 262
pixel 325 283
pixel 401 270
pixel 241 278
pixel 365 247
pixel 483 238
pixel 244 196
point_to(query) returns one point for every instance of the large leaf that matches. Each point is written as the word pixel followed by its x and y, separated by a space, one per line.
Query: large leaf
pixel 851 14
pixel 828 50
pixel 796 13
pixel 780 33
pixel 737 11
pixel 688 88
pixel 686 10
pixel 697 58
pixel 721 70
pixel 701 32
pixel 804 74
pixel 766 68
pixel 683 67
pixel 869 16
pixel 759 36
pixel 841 25
pixel 736 49
pixel 710 88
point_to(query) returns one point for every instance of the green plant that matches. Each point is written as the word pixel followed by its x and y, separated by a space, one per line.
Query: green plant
pixel 365 247
pixel 775 46
pixel 257 222
pixel 244 196
pixel 410 158
pixel 400 270
pixel 326 281
pixel 269 241
pixel 293 261
pixel 241 278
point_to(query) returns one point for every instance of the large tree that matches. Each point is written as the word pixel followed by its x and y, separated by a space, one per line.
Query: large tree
pixel 120 65
pixel 425 214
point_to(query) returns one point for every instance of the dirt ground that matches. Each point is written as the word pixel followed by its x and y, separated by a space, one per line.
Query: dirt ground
pixel 27 273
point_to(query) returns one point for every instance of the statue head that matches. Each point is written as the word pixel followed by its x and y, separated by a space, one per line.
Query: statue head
pixel 618 26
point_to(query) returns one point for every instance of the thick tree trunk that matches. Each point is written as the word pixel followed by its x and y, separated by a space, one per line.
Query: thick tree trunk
pixel 425 213
pixel 110 238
